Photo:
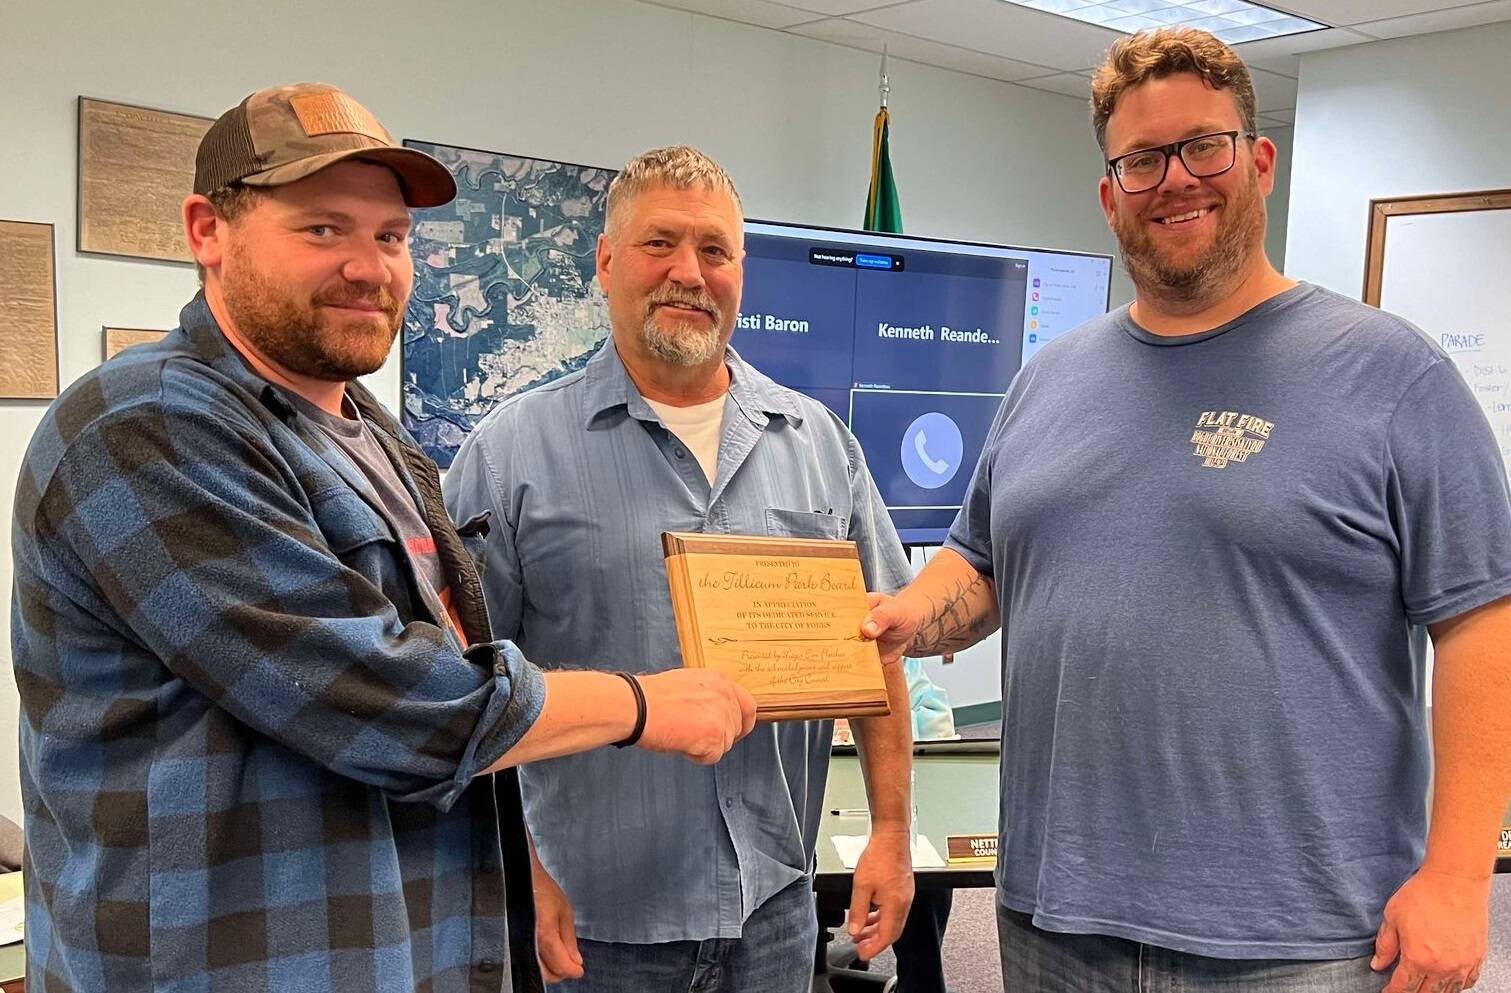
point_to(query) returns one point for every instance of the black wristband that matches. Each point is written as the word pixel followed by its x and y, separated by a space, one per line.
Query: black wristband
pixel 639 711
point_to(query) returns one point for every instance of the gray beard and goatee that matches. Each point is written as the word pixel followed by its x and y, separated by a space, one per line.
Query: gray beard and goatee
pixel 1203 278
pixel 679 343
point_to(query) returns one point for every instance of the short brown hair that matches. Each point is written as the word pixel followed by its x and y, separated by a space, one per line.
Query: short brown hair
pixel 230 202
pixel 678 167
pixel 1165 52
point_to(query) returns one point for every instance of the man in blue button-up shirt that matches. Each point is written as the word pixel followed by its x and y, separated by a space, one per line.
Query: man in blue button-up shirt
pixel 677 877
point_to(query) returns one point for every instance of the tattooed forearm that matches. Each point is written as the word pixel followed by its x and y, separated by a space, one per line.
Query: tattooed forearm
pixel 965 613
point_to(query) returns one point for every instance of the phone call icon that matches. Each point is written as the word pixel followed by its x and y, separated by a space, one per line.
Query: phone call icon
pixel 932 450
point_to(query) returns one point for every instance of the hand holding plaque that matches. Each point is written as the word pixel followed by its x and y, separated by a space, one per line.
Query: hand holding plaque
pixel 781 617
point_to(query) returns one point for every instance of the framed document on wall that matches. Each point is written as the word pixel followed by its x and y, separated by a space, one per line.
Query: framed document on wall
pixel 118 340
pixel 136 165
pixel 29 305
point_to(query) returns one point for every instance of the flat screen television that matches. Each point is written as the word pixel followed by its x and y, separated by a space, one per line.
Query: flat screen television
pixel 911 341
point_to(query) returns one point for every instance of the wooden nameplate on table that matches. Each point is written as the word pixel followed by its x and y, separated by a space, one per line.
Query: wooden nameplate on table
pixel 972 849
pixel 781 617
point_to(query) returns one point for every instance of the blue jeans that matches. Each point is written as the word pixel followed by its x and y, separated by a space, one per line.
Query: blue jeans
pixel 773 955
pixel 1038 961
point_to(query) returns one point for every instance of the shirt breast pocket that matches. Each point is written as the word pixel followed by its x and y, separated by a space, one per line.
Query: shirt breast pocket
pixel 803 524
pixel 356 533
pixel 474 534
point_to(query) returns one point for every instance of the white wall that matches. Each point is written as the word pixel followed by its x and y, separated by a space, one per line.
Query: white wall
pixel 1278 205
pixel 591 81
pixel 1407 117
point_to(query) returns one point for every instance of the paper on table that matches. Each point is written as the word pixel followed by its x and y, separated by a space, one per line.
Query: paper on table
pixel 12 917
pixel 849 847
pixel 12 907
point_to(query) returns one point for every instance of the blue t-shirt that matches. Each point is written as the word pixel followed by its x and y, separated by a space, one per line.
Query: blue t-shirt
pixel 1212 554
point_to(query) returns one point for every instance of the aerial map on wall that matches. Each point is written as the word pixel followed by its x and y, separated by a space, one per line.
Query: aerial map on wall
pixel 505 296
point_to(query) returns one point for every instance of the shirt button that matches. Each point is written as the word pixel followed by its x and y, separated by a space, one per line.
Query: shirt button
pixel 487 965
pixel 681 453
pixel 729 803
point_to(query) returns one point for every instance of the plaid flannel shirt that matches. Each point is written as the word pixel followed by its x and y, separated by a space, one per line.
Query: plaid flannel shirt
pixel 248 748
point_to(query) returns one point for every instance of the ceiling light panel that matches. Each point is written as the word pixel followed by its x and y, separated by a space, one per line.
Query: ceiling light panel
pixel 1233 21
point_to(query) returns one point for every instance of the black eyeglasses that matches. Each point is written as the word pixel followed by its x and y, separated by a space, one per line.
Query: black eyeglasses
pixel 1203 156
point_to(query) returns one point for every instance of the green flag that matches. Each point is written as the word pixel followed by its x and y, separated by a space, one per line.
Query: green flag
pixel 883 212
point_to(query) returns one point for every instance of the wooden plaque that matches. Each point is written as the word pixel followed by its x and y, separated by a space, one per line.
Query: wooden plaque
pixel 136 165
pixel 782 617
pixel 28 312
pixel 118 340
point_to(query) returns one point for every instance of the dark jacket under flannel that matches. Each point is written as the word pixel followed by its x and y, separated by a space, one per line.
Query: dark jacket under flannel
pixel 247 747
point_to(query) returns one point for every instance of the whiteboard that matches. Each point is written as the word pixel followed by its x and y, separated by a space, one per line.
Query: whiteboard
pixel 1450 275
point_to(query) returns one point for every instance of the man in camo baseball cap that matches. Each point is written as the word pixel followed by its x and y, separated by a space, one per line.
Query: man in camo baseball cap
pixel 285 133
pixel 230 530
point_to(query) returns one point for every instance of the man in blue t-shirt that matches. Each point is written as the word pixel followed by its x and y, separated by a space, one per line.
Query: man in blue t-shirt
pixel 1215 527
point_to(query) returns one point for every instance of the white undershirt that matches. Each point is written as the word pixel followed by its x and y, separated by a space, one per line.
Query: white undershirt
pixel 698 427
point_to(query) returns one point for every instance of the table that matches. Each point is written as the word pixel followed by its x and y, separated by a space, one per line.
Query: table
pixel 955 787
pixel 13 968
pixel 12 956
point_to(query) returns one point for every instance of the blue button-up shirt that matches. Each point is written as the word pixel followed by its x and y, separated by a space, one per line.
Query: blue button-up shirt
pixel 582 478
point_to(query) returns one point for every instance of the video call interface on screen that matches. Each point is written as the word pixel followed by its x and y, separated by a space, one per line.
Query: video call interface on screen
pixel 912 342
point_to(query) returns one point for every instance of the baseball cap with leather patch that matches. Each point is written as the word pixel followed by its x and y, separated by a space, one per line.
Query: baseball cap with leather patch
pixel 284 133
